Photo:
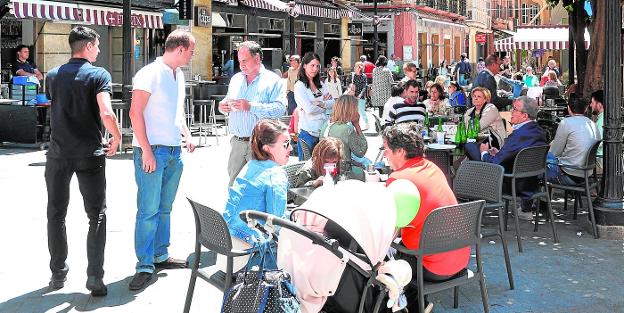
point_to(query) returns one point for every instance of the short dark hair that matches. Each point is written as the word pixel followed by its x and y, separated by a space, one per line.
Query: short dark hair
pixel 265 133
pixel 178 38
pixel 79 36
pixel 412 83
pixel 406 136
pixel 578 105
pixel 20 47
pixel 253 47
pixel 382 61
pixel 456 85
pixel 598 95
pixel 491 59
pixel 397 90
pixel 307 58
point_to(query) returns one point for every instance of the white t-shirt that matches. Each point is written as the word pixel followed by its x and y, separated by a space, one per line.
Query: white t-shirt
pixel 164 112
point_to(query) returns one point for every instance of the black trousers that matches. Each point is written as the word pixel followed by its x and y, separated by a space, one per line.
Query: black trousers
pixel 92 183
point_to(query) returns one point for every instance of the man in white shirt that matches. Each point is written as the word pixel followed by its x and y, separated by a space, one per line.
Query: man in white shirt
pixel 254 93
pixel 157 115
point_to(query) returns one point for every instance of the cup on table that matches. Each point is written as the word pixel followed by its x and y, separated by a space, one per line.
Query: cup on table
pixel 440 137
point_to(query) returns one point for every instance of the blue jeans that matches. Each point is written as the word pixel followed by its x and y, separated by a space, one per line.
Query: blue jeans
pixel 462 80
pixel 362 110
pixel 309 139
pixel 555 174
pixel 155 195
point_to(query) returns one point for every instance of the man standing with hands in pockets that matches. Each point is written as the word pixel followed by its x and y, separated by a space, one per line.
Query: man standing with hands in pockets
pixel 254 93
pixel 157 115
pixel 80 95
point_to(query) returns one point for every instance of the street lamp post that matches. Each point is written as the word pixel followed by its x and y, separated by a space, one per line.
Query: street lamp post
pixel 376 34
pixel 127 50
pixel 610 204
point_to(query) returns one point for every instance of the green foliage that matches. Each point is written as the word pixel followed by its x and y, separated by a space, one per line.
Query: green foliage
pixel 568 5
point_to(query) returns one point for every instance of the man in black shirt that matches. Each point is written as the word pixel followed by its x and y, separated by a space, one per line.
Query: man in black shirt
pixel 22 67
pixel 80 95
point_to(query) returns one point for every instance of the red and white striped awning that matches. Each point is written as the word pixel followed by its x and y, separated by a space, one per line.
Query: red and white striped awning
pixel 82 14
pixel 506 44
pixel 299 8
pixel 538 37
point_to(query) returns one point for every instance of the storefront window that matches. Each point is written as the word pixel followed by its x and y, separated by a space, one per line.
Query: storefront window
pixel 10 38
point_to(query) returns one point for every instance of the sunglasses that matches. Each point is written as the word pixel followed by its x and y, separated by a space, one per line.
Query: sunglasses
pixel 285 145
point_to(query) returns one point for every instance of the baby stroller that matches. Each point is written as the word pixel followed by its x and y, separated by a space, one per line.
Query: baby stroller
pixel 334 252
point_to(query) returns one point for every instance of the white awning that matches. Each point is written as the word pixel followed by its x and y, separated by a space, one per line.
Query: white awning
pixel 539 37
pixel 82 13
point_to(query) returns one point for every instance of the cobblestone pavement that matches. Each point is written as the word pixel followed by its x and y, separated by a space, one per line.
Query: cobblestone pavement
pixel 578 275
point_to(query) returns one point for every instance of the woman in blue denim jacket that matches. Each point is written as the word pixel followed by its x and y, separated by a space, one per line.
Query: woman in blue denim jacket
pixel 261 185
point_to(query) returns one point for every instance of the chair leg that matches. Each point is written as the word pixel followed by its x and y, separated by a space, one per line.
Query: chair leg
pixel 551 215
pixel 505 248
pixel 590 207
pixel 517 222
pixel 456 297
pixel 565 200
pixel 506 216
pixel 536 218
pixel 484 295
pixel 577 203
pixel 189 292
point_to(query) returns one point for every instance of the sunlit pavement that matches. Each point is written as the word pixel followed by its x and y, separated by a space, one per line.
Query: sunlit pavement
pixel 578 275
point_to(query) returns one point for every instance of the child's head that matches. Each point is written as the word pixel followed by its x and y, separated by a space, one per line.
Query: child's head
pixel 331 74
pixel 328 150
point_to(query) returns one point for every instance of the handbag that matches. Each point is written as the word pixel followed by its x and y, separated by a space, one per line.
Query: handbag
pixel 257 290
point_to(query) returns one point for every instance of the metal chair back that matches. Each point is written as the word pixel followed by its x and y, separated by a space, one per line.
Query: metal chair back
pixel 307 152
pixel 443 159
pixel 451 227
pixel 291 173
pixel 211 229
pixel 530 162
pixel 479 181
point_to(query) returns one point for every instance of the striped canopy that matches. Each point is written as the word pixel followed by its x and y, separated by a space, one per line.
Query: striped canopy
pixel 553 37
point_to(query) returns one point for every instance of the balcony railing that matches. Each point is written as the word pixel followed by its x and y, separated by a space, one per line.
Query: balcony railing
pixel 453 6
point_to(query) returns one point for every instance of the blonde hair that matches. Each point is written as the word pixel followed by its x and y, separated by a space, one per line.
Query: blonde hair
pixel 486 93
pixel 552 75
pixel 358 64
pixel 344 109
pixel 441 79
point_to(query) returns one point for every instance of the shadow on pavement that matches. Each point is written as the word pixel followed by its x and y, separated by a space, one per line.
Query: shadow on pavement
pixel 46 299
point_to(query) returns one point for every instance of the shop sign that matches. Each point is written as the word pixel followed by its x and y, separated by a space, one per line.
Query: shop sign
pixel 203 17
pixel 185 7
pixel 480 38
pixel 116 19
pixel 355 29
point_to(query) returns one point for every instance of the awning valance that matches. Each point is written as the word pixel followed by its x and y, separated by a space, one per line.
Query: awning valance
pixel 81 13
pixel 539 37
pixel 327 10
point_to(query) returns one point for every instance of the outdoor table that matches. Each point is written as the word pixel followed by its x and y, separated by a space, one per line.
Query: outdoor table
pixel 8 101
pixel 301 194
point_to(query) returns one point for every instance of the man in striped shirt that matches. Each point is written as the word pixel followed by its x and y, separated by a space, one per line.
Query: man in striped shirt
pixel 410 110
pixel 254 93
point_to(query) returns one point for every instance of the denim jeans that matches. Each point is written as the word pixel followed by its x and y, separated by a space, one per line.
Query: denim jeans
pixel 462 80
pixel 92 183
pixel 309 139
pixel 555 174
pixel 155 195
pixel 362 110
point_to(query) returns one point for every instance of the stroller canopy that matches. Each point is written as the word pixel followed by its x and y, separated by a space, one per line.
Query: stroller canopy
pixel 366 211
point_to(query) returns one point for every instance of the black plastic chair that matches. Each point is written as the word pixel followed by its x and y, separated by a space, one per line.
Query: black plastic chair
pixel 551 92
pixel 305 147
pixel 484 181
pixel 530 162
pixel 445 229
pixel 212 232
pixel 590 182
pixel 291 173
pixel 444 160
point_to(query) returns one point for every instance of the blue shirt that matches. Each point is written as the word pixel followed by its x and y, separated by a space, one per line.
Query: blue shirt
pixel 266 94
pixel 515 84
pixel 26 66
pixel 457 99
pixel 260 186
pixel 228 67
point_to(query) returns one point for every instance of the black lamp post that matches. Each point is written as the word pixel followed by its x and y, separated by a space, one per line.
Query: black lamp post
pixel 610 204
pixel 376 34
pixel 127 44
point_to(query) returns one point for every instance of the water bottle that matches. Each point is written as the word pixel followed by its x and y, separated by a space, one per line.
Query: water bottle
pixel 372 176
pixel 328 180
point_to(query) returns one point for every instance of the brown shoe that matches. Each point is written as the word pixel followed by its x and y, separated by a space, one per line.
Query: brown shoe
pixel 171 263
